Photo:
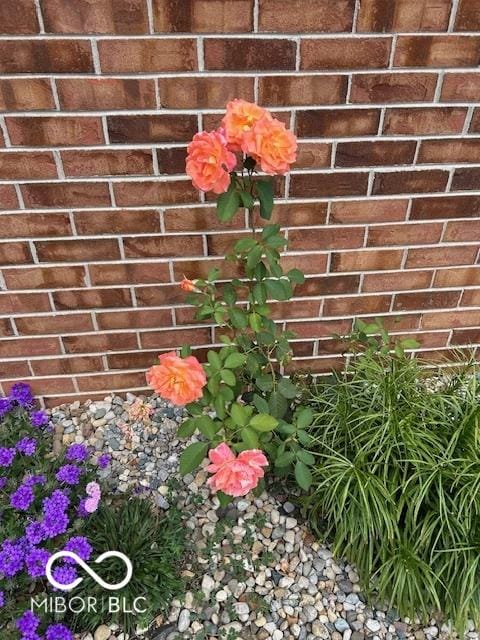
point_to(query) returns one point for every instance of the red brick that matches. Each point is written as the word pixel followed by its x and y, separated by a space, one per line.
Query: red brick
pixel 337 123
pixel 449 319
pixel 147 55
pixel 129 273
pixel 330 184
pixel 132 194
pixel 55 324
pixel 163 246
pixel 437 51
pixel 52 385
pixel 424 121
pixel 132 360
pixel 66 194
pixel 320 328
pixel 83 94
pixel 410 182
pixel 426 300
pixel 461 87
pixel 399 281
pixel 21 165
pixel 359 211
pixel 28 347
pixel 404 234
pixel 46 56
pixel 77 250
pixel 393 87
pixel 164 339
pixel 222 244
pixel 18 17
pixel 8 197
pixel 304 16
pixel 200 268
pixel 445 207
pixel 464 231
pixel 345 53
pixel 24 303
pixel 466 179
pixel 200 93
pixel 15 253
pixel 14 369
pixel 327 286
pixel 471 298
pixel 101 16
pixel 464 277
pixel 357 304
pixel 326 238
pixel 138 319
pixel 288 90
pixel 88 299
pixel 302 349
pixel 371 154
pixel 66 366
pixel 26 225
pixel 6 328
pixel 440 256
pixel 309 263
pixel 171 161
pixel 20 94
pixel 55 131
pixel 261 54
pixel 198 219
pixel 468 16
pixel 287 310
pixel 165 128
pixel 374 260
pixel 449 151
pixel 111 381
pixel 313 155
pixel 45 277
pixel 99 342
pixel 116 222
pixel 316 365
pixel 107 163
pixel 203 16
pixel 465 336
pixel 475 124
pixel 170 294
pixel 403 15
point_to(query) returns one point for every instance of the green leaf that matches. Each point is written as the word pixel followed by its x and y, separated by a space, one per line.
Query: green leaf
pixel 254 256
pixel 227 204
pixel 235 360
pixel 207 427
pixel 255 322
pixel 213 274
pixel 187 428
pixel 287 388
pixel 304 438
pixel 270 230
pixel 260 293
pixel 263 422
pixel 265 195
pixel 303 475
pixel 260 404
pixel 185 351
pixel 278 405
pixel 228 377
pixel 192 457
pixel 219 406
pixel 306 457
pixel 229 294
pixel 304 417
pixel 264 383
pixel 214 359
pixel 244 244
pixel 410 343
pixel 296 276
pixel 223 499
pixel 285 458
pixel 247 199
pixel 277 289
pixel 240 415
pixel 194 409
pixel 239 318
pixel 249 437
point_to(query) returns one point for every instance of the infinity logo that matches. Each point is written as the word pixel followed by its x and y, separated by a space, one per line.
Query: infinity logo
pixel 86 568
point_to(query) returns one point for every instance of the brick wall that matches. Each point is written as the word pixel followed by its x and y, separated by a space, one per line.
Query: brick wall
pixel 99 223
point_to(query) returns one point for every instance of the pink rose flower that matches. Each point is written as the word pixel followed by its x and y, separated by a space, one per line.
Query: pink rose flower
pixel 209 161
pixel 235 475
pixel 179 380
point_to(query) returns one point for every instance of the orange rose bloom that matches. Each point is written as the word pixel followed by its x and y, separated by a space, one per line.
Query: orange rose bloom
pixel 188 285
pixel 271 144
pixel 240 118
pixel 179 380
pixel 209 161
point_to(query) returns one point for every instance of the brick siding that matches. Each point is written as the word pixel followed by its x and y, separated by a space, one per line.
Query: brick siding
pixel 99 223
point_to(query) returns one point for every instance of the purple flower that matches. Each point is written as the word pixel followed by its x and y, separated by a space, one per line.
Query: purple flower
pixel 22 394
pixel 31 481
pixel 69 473
pixel 58 501
pixel 65 575
pixel 55 524
pixel 79 545
pixel 22 498
pixel 5 406
pixel 35 532
pixel 103 461
pixel 81 511
pixel 28 623
pixel 11 558
pixel 36 561
pixel 6 456
pixel 3 482
pixel 39 418
pixel 58 632
pixel 77 453
pixel 2 599
pixel 27 446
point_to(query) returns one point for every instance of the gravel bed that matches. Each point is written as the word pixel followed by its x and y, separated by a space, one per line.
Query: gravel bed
pixel 257 572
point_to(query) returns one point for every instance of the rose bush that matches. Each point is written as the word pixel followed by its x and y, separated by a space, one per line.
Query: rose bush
pixel 247 411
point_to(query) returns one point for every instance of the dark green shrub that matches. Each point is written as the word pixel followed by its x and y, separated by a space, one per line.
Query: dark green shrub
pixel 397 479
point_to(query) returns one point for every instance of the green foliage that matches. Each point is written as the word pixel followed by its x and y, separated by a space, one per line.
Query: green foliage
pixel 397 477
pixel 155 544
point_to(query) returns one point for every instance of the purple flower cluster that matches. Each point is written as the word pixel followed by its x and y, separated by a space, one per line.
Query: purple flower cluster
pixel 2 599
pixel 39 418
pixel 58 632
pixel 12 555
pixel 27 446
pixel 69 474
pixel 7 455
pixel 3 482
pixel 65 575
pixel 77 453
pixel 79 545
pixel 22 395
pixel 103 461
pixel 28 623
pixel 22 498
pixel 5 406
pixel 36 561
